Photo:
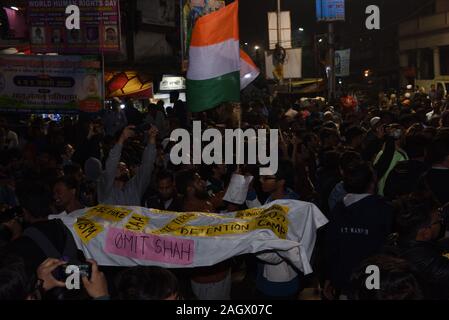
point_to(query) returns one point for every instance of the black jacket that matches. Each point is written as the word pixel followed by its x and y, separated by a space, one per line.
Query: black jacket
pixel 404 178
pixel 32 254
pixel 431 265
pixel 155 202
pixel 355 233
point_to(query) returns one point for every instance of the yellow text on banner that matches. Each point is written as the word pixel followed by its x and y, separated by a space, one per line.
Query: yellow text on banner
pixel 137 223
pixel 276 222
pixel 87 229
pixel 114 214
pixel 176 223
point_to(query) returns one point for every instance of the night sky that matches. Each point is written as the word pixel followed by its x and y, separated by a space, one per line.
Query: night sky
pixel 253 17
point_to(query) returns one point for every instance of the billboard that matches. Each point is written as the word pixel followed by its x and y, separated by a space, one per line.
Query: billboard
pixel 99 27
pixel 330 10
pixel 51 83
pixel 292 66
pixel 286 33
pixel 342 63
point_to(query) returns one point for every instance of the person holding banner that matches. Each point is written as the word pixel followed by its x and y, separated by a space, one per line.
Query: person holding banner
pixel 276 279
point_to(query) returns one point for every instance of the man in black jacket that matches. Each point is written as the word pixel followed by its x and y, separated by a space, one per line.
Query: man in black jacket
pixel 358 228
pixel 42 238
pixel 166 197
pixel 419 223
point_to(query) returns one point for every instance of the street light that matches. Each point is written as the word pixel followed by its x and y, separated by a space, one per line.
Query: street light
pixel 301 29
pixel 320 40
pixel 256 48
pixel 15 8
pixel 246 43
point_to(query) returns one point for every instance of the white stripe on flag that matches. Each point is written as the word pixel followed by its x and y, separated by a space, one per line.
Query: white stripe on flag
pixel 247 74
pixel 213 61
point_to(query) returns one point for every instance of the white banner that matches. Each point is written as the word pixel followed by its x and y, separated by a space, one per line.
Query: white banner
pixel 129 236
pixel 292 64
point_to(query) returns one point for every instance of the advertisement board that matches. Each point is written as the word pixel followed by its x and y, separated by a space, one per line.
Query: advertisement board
pixel 99 27
pixel 51 83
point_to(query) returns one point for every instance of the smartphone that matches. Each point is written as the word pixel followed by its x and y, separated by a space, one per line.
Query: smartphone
pixel 84 269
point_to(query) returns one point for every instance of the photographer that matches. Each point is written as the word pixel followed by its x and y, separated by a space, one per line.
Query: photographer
pixel 16 284
pixel 420 225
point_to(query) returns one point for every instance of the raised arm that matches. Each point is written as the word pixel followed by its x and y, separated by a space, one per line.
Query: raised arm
pixel 107 179
pixel 141 180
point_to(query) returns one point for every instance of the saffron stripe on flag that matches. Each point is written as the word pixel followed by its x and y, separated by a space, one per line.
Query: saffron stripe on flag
pixel 210 29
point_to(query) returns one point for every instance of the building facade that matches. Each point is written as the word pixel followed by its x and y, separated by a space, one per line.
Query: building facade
pixel 424 48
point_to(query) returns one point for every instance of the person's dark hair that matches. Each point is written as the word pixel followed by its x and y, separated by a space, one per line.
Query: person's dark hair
pixel 326 133
pixel 413 212
pixel 348 159
pixel 397 280
pixel 439 148
pixel 165 174
pixel 286 172
pixel 35 197
pixel 358 178
pixel 308 138
pixel 183 180
pixel 69 182
pixel 146 283
pixel 416 145
pixel 15 284
pixel 353 133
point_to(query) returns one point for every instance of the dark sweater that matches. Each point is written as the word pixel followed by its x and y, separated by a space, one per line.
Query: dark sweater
pixel 32 254
pixel 437 182
pixel 404 178
pixel 354 234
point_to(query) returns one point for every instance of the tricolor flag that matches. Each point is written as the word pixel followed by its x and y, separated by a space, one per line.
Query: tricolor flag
pixel 248 70
pixel 213 76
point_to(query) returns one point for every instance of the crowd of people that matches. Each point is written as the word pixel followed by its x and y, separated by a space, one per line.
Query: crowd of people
pixel 377 170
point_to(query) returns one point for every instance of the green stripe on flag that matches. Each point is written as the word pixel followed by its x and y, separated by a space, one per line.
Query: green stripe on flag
pixel 207 94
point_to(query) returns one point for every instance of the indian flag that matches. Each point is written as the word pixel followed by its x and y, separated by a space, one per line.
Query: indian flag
pixel 213 76
pixel 248 70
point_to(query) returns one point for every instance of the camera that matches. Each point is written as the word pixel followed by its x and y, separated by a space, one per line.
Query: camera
pixel 85 270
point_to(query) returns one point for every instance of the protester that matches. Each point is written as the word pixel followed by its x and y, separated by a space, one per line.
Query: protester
pixel 147 283
pixel 403 139
pixel 66 196
pixel 42 238
pixel 115 185
pixel 358 228
pixel 167 197
pixel 397 280
pixel 419 226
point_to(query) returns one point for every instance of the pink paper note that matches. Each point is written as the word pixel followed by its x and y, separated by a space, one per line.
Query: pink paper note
pixel 149 247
